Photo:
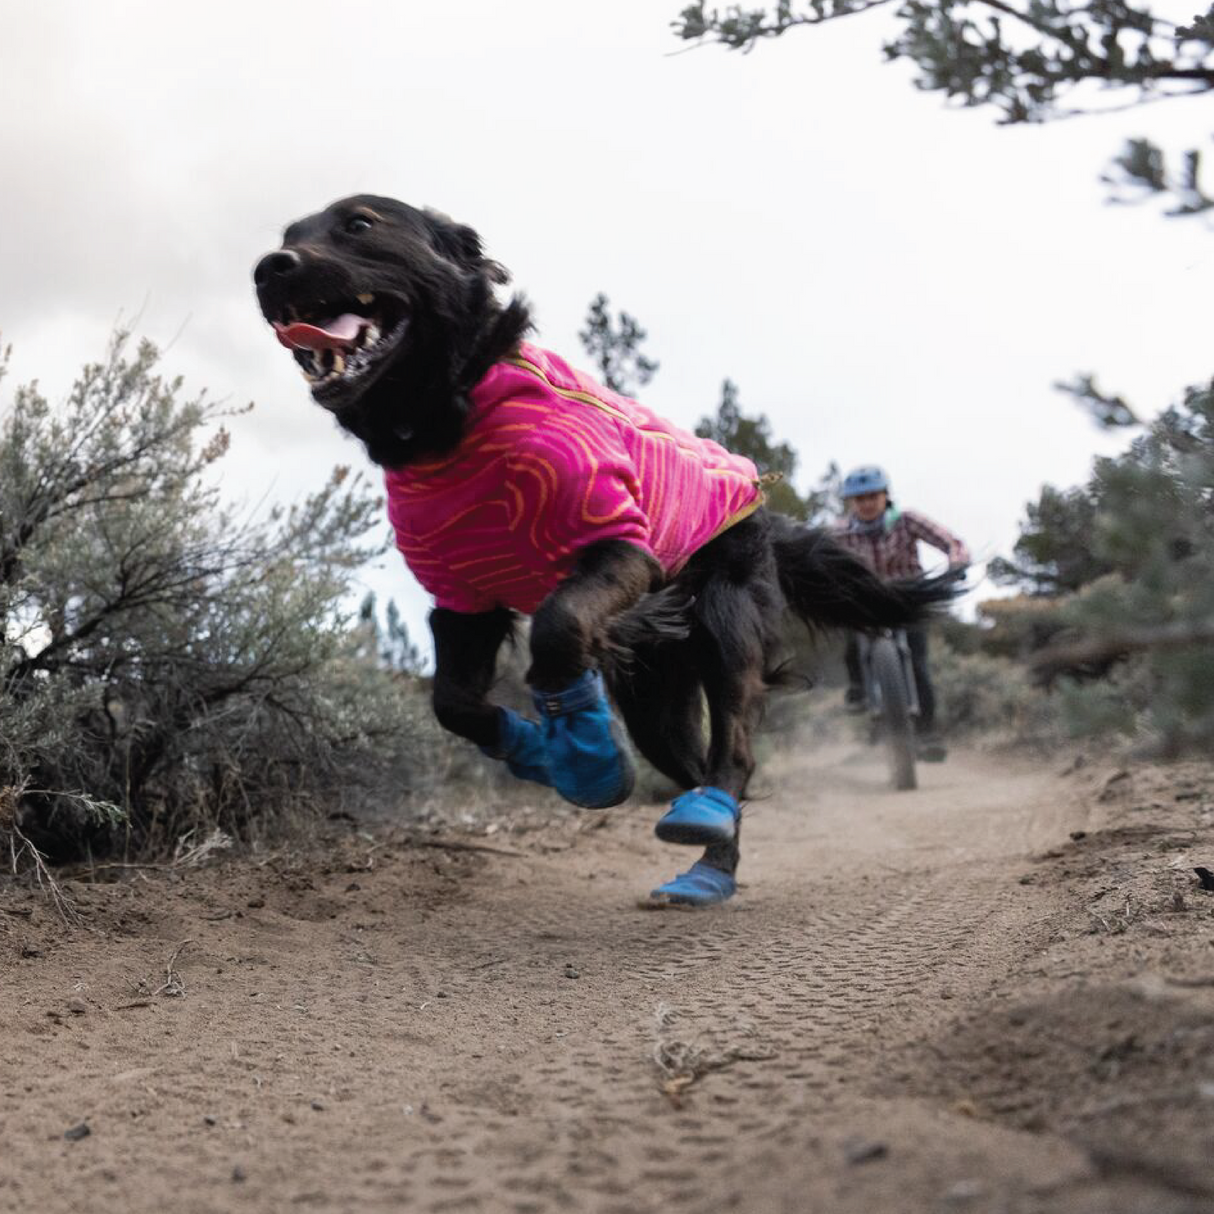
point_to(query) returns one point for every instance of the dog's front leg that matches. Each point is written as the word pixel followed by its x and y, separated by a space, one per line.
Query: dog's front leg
pixel 465 659
pixel 586 755
pixel 465 656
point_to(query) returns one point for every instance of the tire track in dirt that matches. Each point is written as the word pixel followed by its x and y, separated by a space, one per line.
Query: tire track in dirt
pixel 808 973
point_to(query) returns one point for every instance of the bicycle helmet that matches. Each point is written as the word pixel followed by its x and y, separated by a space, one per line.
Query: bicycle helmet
pixel 867 479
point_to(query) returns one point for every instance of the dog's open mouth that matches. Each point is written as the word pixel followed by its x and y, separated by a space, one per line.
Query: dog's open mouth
pixel 337 349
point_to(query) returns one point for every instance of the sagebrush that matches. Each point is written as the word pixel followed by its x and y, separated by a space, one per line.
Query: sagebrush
pixel 168 661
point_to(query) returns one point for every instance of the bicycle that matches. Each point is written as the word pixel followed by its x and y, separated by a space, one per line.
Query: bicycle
pixel 893 700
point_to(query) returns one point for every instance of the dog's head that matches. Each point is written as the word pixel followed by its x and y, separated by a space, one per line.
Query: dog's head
pixel 390 313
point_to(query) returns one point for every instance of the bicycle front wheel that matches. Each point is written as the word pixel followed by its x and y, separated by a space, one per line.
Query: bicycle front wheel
pixel 899 727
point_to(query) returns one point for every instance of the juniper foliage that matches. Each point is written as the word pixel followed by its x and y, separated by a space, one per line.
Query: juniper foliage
pixel 1129 559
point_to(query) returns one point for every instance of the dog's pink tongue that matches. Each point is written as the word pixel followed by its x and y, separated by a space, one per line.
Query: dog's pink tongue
pixel 340 333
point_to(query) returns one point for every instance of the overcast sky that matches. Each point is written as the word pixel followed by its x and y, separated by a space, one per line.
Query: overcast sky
pixel 889 279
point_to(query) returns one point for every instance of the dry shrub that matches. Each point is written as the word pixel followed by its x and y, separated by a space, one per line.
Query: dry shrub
pixel 169 664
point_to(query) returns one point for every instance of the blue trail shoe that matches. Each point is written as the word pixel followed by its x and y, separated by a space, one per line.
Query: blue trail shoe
pixel 587 756
pixel 700 817
pixel 521 745
pixel 701 885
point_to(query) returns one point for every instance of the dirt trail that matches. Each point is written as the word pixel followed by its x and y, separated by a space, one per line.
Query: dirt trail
pixel 384 1027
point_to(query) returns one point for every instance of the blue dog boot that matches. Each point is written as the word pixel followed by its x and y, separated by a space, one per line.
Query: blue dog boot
pixel 701 817
pixel 587 756
pixel 701 885
pixel 521 745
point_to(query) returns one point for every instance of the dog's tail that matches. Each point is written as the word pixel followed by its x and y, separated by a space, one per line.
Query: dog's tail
pixel 829 587
pixel 658 618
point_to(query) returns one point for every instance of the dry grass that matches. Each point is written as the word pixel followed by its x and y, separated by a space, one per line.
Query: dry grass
pixel 681 1062
pixel 23 855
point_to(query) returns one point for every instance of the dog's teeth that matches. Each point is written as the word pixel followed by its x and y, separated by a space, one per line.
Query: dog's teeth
pixel 370 336
pixel 339 363
pixel 366 299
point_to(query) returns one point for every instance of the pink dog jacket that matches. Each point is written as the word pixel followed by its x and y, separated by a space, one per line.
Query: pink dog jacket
pixel 552 461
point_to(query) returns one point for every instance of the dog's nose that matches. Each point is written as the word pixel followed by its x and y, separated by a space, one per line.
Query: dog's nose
pixel 279 264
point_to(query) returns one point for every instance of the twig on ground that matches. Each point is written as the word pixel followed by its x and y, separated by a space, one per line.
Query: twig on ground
pixel 1119 921
pixel 119 864
pixel 217 840
pixel 63 903
pixel 460 845
pixel 186 857
pixel 172 985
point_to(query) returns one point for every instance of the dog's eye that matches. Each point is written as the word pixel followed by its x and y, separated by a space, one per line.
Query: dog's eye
pixel 356 224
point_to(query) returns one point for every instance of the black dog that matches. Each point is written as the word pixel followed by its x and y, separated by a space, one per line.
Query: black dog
pixel 392 314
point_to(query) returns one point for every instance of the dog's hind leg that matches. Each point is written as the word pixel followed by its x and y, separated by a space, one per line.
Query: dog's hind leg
pixel 736 619
pixel 662 700
pixel 735 633
pixel 659 694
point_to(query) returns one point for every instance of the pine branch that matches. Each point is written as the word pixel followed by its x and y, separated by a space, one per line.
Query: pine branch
pixel 1094 653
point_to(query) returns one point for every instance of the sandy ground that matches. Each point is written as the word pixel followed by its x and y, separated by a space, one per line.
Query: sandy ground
pixel 995 994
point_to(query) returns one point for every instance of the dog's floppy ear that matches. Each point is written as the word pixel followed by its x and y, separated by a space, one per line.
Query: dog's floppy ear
pixel 462 245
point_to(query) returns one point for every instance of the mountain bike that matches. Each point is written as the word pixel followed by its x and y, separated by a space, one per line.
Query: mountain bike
pixel 893 700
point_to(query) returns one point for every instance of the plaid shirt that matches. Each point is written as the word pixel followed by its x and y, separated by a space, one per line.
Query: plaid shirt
pixel 894 553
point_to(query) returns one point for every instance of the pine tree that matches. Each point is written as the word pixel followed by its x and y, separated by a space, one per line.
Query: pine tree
pixel 390 645
pixel 616 349
pixel 752 437
pixel 1130 559
pixel 615 346
pixel 1053 555
pixel 1033 60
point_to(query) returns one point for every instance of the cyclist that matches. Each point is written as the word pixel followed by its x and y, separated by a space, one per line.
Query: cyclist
pixel 887 539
